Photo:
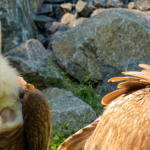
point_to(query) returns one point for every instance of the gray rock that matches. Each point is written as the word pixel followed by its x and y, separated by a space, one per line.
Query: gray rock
pixel 142 4
pixel 47 9
pixel 74 1
pixel 41 20
pixel 100 44
pixel 115 3
pixel 41 38
pixel 83 9
pixel 67 7
pixel 3 13
pixel 65 108
pixel 54 1
pixel 76 22
pixel 51 28
pixel 99 3
pixel 17 22
pixel 34 63
pixel 62 28
pixel 58 11
pixel 67 18
pixel 97 11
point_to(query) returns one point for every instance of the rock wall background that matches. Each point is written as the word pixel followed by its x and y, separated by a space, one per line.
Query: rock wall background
pixel 17 21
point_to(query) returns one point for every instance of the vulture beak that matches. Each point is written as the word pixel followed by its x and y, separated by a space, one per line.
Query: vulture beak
pixel 29 86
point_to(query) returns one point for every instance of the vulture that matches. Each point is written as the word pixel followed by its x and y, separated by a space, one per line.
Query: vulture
pixel 25 119
pixel 125 122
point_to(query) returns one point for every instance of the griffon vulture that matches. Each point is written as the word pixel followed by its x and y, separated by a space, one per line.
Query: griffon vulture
pixel 125 123
pixel 24 113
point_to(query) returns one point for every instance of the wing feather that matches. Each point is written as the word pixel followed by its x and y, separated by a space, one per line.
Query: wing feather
pixel 37 120
pixel 145 66
pixel 116 79
pixel 12 138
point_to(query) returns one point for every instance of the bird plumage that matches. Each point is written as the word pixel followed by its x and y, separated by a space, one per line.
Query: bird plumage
pixel 125 123
pixel 26 125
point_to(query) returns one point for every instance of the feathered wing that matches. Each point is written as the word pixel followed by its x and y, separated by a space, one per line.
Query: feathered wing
pixel 78 140
pixel 125 123
pixel 37 120
pixel 12 138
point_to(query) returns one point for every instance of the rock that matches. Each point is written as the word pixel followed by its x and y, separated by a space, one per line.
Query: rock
pixel 74 1
pixel 58 11
pixel 3 13
pixel 52 27
pixel 83 9
pixel 41 38
pixel 76 22
pixel 47 9
pixel 103 42
pixel 131 5
pixel 114 3
pixel 41 20
pixel 142 4
pixel 67 18
pixel 97 11
pixel 54 1
pixel 99 3
pixel 65 108
pixel 17 22
pixel 34 63
pixel 67 7
pixel 91 5
pixel 62 28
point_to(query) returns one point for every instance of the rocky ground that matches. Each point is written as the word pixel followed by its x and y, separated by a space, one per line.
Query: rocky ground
pixel 95 38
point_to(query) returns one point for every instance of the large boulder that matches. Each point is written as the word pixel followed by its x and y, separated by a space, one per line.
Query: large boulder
pixel 65 108
pixel 35 64
pixel 17 23
pixel 103 45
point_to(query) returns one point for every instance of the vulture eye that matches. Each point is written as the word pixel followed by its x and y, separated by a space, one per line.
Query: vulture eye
pixel 29 86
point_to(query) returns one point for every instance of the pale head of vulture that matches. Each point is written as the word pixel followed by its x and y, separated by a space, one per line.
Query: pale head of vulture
pixel 10 106
pixel 24 125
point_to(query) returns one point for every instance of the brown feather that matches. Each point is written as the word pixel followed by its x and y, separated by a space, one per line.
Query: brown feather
pixel 37 120
pixel 145 66
pixel 113 95
pixel 115 79
pixel 137 74
pixel 132 85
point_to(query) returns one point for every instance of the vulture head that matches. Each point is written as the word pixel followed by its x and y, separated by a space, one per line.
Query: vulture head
pixel 24 113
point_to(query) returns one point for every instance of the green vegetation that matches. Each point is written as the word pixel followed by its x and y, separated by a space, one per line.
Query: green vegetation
pixel 58 136
pixel 87 92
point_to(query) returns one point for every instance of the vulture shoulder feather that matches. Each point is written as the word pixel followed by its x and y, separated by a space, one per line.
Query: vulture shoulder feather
pixel 37 121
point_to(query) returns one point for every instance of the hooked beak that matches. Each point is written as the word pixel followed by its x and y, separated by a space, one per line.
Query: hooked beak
pixel 29 86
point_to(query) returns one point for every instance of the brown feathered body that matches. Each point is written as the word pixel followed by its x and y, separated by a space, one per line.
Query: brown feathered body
pixel 125 123
pixel 26 125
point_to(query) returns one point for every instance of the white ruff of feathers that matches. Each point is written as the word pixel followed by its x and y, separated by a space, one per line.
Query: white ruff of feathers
pixel 8 79
pixel 9 91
